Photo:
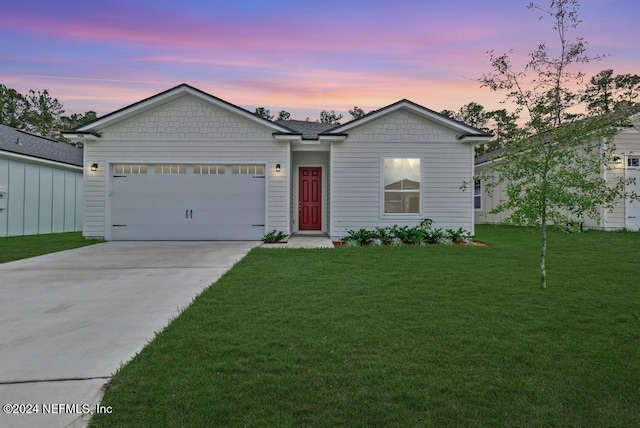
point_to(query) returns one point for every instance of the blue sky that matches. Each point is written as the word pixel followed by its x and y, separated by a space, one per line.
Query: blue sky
pixel 299 56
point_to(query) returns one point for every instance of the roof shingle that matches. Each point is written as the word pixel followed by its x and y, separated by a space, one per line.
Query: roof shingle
pixel 309 130
pixel 23 143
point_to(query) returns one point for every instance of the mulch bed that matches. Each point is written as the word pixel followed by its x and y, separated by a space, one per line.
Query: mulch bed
pixel 462 244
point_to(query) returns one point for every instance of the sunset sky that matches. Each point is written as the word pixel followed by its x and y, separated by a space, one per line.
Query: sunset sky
pixel 295 55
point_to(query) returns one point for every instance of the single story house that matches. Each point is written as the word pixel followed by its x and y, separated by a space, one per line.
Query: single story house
pixel 41 187
pixel 625 215
pixel 186 165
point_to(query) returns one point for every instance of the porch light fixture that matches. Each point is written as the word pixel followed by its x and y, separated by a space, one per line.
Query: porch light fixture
pixel 617 160
pixel 277 167
pixel 94 167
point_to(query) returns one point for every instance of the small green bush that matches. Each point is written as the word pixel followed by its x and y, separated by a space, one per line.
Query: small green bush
pixel 273 236
pixel 423 233
pixel 361 237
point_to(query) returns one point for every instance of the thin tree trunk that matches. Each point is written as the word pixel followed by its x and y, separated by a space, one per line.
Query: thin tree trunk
pixel 543 256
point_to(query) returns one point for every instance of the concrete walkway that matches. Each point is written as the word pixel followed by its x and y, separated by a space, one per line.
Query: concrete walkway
pixel 304 241
pixel 68 320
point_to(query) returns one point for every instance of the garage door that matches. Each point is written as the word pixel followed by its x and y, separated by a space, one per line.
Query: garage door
pixel 187 202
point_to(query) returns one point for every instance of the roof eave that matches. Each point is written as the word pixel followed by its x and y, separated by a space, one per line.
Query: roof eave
pixel 39 160
pixel 168 95
pixel 475 138
pixel 286 137
pixel 412 107
pixel 332 138
pixel 81 136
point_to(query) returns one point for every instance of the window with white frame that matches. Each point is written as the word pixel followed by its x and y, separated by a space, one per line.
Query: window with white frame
pixel 129 169
pixel 248 169
pixel 633 161
pixel 401 185
pixel 170 169
pixel 477 194
pixel 209 169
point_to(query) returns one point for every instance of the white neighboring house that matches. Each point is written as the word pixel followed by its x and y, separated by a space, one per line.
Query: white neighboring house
pixel 185 165
pixel 625 215
pixel 40 184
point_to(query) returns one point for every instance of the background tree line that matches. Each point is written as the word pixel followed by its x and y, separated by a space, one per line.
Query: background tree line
pixel 604 93
pixel 38 113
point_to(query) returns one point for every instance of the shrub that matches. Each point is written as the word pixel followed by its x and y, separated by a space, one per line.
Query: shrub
pixel 384 234
pixel 459 235
pixel 436 236
pixel 362 236
pixel 273 236
pixel 408 235
pixel 423 233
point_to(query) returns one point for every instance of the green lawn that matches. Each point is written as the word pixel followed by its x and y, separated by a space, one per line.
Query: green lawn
pixel 399 337
pixel 22 247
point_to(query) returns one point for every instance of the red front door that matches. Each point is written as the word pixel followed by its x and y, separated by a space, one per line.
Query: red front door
pixel 310 198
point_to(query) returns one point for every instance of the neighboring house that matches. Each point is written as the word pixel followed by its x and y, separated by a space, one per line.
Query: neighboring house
pixel 40 184
pixel 626 164
pixel 185 165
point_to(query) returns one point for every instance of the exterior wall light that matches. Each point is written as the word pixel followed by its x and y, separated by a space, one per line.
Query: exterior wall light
pixel 94 167
pixel 617 160
pixel 277 167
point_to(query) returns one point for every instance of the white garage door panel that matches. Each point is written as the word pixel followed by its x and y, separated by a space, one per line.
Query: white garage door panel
pixel 188 207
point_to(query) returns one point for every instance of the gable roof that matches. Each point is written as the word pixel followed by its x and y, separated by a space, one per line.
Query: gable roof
pixel 23 143
pixel 299 128
pixel 309 130
pixel 465 132
pixel 93 127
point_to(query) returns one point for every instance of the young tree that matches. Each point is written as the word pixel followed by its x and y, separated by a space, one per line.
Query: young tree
pixel 553 169
pixel 330 117
pixel 284 115
pixel 263 113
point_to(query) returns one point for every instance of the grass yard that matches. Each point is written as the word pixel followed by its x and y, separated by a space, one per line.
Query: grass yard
pixel 22 247
pixel 399 337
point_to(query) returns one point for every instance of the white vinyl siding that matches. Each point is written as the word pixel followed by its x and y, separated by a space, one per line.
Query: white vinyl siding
pixel 356 179
pixel 205 137
pixel 627 142
pixel 39 199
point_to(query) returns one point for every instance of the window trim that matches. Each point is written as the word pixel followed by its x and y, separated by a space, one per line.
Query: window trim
pixel 480 195
pixel 383 213
pixel 122 168
pixel 168 168
pixel 211 169
pixel 248 169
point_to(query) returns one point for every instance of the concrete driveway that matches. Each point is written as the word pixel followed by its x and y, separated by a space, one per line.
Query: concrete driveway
pixel 68 320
